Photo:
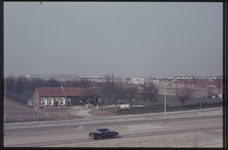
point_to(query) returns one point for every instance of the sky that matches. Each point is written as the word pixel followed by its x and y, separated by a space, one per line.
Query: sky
pixel 127 39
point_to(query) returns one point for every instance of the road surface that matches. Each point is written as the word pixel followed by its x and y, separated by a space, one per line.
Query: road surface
pixel 132 129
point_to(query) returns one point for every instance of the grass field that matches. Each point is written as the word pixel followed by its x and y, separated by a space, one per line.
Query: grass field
pixel 172 104
pixel 173 101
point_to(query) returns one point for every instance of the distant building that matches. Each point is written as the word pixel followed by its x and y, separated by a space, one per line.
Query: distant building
pixel 138 80
pixel 197 82
pixel 180 84
pixel 93 78
pixel 127 80
pixel 28 76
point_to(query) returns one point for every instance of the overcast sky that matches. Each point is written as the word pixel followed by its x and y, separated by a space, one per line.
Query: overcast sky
pixel 128 39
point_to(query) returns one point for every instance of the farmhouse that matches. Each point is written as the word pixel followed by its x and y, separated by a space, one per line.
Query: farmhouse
pixel 60 96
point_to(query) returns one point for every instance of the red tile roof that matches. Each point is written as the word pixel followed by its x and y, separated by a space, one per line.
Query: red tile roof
pixel 209 82
pixel 60 91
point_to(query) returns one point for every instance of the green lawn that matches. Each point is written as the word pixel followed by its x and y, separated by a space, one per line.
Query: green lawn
pixel 172 101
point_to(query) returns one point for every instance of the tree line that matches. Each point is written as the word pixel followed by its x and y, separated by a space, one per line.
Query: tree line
pixel 108 92
pixel 111 92
pixel 22 84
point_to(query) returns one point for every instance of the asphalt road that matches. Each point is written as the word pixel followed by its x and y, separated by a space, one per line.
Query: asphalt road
pixel 103 124
pixel 84 140
pixel 140 120
pixel 87 121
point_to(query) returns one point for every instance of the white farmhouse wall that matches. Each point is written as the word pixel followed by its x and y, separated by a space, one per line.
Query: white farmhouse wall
pixel 123 106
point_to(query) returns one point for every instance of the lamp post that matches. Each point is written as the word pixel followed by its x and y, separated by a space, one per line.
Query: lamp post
pixel 5 108
pixel 165 102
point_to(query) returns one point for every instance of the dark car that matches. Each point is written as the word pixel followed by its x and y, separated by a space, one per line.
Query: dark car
pixel 103 133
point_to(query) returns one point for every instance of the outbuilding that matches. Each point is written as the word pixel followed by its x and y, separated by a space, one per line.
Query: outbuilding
pixel 29 102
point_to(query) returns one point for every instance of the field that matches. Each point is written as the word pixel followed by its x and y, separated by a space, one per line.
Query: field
pixel 172 100
pixel 18 113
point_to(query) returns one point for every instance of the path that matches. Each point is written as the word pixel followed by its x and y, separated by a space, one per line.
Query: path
pixel 81 111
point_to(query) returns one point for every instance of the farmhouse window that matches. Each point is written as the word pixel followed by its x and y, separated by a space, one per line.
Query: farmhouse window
pixel 50 102
pixel 62 101
pixel 43 101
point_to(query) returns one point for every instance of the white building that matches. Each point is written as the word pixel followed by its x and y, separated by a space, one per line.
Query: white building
pixel 94 78
pixel 138 80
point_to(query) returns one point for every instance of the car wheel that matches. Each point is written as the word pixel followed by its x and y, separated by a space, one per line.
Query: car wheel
pixel 114 136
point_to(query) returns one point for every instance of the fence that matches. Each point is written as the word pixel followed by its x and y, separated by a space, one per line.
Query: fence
pixel 139 110
pixel 23 117
pixel 30 114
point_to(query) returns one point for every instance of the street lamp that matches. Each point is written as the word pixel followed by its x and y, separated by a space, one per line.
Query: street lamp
pixel 165 102
pixel 5 108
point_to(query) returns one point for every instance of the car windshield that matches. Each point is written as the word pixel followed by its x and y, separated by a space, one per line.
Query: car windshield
pixel 106 131
pixel 102 131
pixel 98 131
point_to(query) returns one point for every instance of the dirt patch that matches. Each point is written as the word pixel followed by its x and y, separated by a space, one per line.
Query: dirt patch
pixel 101 113
pixel 82 128
pixel 18 113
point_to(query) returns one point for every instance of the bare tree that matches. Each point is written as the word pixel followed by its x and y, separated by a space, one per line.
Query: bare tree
pixel 130 92
pixel 53 83
pixel 185 93
pixel 84 83
pixel 97 92
pixel 88 91
pixel 210 92
pixel 108 88
pixel 71 83
pixel 68 83
pixel 149 92
pixel 21 85
pixel 118 93
pixel 9 84
pixel 36 82
pixel 219 83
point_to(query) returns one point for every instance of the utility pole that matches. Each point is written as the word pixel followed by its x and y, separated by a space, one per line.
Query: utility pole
pixel 5 108
pixel 14 90
pixel 165 102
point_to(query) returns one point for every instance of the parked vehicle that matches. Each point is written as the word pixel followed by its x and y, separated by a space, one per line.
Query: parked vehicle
pixel 102 133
